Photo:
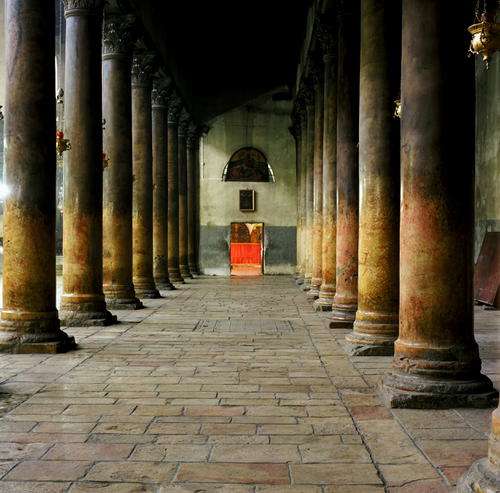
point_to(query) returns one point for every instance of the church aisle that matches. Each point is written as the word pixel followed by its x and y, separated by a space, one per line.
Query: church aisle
pixel 225 385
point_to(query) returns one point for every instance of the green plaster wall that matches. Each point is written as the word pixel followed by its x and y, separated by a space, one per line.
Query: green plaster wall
pixel 263 124
pixel 487 149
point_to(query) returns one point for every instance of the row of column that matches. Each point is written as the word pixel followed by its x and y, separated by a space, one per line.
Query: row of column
pixel 386 205
pixel 129 177
pixel 395 268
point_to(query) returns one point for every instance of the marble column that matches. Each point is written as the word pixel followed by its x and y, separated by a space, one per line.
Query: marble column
pixel 82 302
pixel 142 157
pixel 309 167
pixel 329 237
pixel 117 213
pixel 192 142
pixel 345 301
pixel 484 474
pixel 436 359
pixel 184 123
pixel 317 226
pixel 174 109
pixel 160 185
pixel 29 319
pixel 376 325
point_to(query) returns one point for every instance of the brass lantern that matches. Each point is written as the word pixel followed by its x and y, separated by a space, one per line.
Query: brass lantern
pixel 485 32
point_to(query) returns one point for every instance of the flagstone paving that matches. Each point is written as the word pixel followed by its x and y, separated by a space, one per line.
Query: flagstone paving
pixel 233 386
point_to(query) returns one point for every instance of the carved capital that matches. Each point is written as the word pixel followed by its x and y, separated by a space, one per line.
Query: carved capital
pixel 118 35
pixel 184 122
pixel 82 7
pixel 325 36
pixel 174 108
pixel 193 134
pixel 160 93
pixel 143 67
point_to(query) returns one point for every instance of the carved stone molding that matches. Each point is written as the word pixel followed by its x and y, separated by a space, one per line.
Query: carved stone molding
pixel 82 7
pixel 174 108
pixel 143 68
pixel 118 35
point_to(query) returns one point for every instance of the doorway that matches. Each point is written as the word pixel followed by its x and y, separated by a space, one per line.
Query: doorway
pixel 246 249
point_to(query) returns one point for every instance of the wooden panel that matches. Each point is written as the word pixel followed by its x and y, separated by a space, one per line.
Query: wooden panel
pixel 487 271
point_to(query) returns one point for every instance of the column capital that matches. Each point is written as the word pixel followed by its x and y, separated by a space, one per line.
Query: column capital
pixel 174 107
pixel 184 122
pixel 324 34
pixel 193 133
pixel 118 35
pixel 160 93
pixel 82 7
pixel 143 67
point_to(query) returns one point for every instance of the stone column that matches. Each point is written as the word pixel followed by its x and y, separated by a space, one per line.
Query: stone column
pixel 29 318
pixel 295 132
pixel 376 325
pixel 317 227
pixel 302 122
pixel 436 362
pixel 309 166
pixel 183 199
pixel 327 289
pixel 117 214
pixel 142 196
pixel 192 142
pixel 82 302
pixel 346 296
pixel 174 108
pixel 484 474
pixel 160 186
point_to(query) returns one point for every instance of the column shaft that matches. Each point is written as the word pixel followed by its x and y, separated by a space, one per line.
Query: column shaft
pixel 436 362
pixel 346 295
pixel 160 187
pixel 317 226
pixel 173 190
pixel 327 289
pixel 142 196
pixel 302 188
pixel 309 165
pixel 295 131
pixel 82 302
pixel 183 199
pixel 376 324
pixel 117 214
pixel 29 318
pixel 192 142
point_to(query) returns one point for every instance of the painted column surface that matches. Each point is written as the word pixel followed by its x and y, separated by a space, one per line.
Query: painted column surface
pixel 160 185
pixel 484 474
pixel 346 295
pixel 117 213
pixel 317 228
pixel 183 199
pixel 82 302
pixel 376 325
pixel 191 142
pixel 296 134
pixel 327 289
pixel 302 122
pixel 29 318
pixel 309 166
pixel 142 196
pixel 174 108
pixel 436 359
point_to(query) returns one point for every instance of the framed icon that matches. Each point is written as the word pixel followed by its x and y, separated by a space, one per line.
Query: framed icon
pixel 247 200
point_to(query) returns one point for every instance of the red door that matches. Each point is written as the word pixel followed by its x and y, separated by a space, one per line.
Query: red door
pixel 246 249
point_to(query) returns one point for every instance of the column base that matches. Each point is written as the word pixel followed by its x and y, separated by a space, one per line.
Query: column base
pixel 312 293
pixel 299 280
pixel 418 392
pixel 164 285
pixel 185 274
pixel 23 333
pixel 175 276
pixel 343 316
pixel 306 285
pixel 325 299
pixel 82 310
pixel 480 478
pixel 373 337
pixel 148 293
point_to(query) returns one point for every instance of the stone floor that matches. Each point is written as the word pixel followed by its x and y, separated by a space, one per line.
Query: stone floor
pixel 233 386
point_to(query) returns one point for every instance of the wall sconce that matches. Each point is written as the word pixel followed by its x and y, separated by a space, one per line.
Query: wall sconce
pixel 62 144
pixel 485 32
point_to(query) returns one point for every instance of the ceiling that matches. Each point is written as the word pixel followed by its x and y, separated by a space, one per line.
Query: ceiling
pixel 223 54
